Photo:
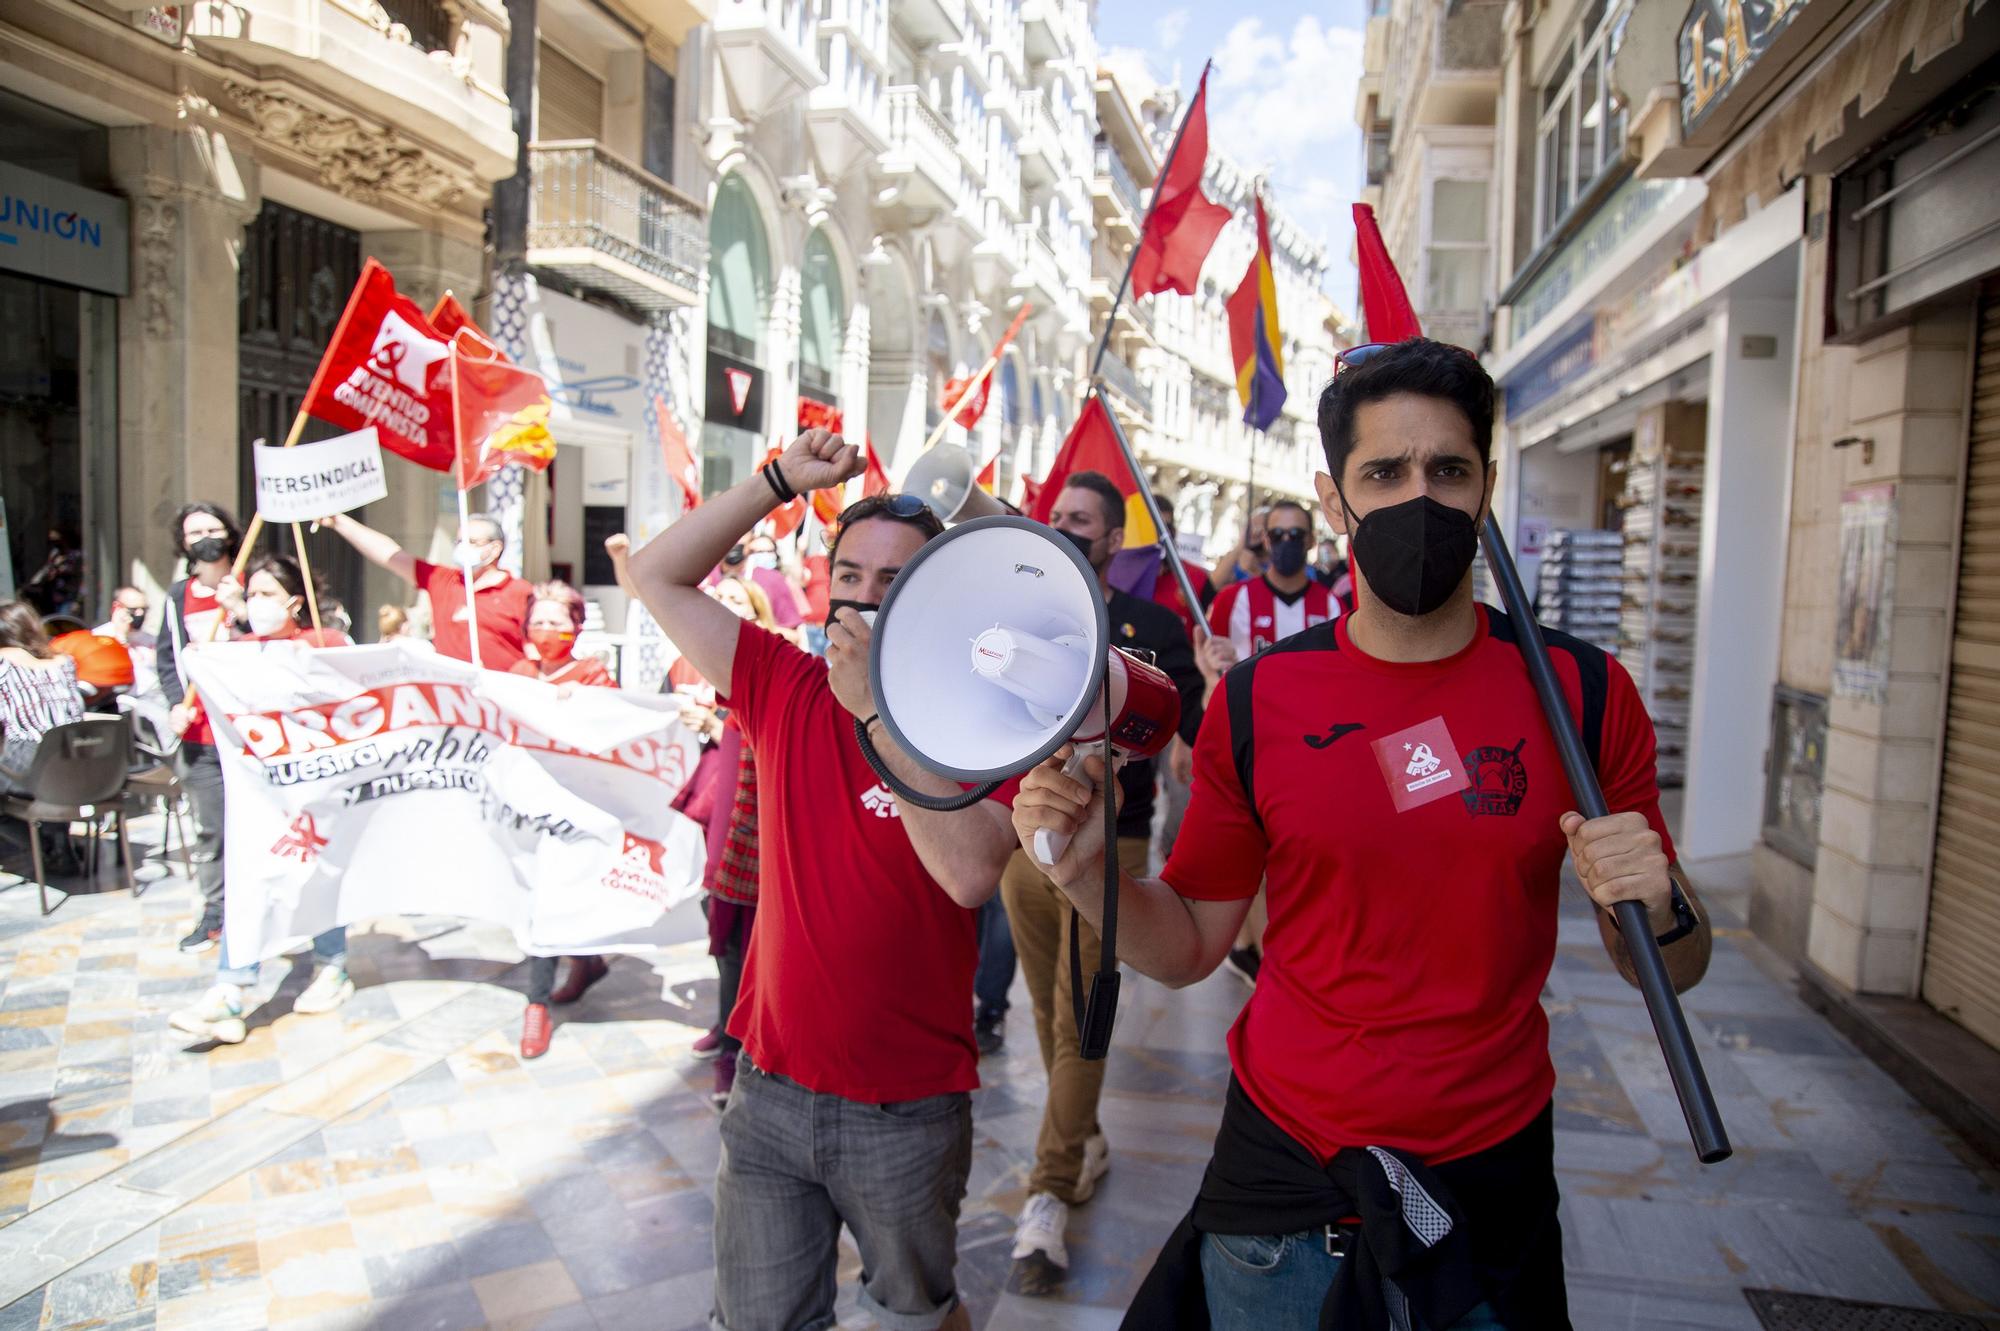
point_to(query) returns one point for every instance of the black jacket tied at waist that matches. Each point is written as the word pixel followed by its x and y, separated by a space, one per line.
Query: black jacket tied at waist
pixel 1432 1242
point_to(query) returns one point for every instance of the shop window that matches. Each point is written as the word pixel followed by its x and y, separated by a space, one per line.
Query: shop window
pixel 937 364
pixel 739 272
pixel 822 312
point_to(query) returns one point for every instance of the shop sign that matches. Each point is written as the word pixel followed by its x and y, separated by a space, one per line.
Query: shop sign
pixel 59 232
pixel 1548 374
pixel 1630 207
pixel 735 393
pixel 1720 39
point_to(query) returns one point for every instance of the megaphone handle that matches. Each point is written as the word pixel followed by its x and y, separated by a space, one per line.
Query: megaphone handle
pixel 1049 846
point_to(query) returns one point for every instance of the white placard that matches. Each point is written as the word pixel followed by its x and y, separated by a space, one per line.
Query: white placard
pixel 318 480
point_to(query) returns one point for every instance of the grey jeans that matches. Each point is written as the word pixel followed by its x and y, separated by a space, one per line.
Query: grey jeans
pixel 201 777
pixel 797 1165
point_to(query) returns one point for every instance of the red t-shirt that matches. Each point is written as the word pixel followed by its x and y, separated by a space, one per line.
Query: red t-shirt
pixel 503 614
pixel 1167 591
pixel 1399 999
pixel 585 670
pixel 858 978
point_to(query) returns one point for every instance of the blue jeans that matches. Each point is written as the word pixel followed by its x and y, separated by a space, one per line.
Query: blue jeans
pixel 797 1165
pixel 329 949
pixel 995 975
pixel 1276 1282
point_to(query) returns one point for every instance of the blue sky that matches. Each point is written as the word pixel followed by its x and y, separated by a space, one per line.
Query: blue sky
pixel 1281 98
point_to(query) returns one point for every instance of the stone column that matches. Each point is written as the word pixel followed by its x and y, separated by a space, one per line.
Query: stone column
pixel 192 194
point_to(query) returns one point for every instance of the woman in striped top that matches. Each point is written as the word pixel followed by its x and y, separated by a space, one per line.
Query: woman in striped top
pixel 38 689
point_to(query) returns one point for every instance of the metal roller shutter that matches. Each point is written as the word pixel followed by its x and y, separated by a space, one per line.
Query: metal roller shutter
pixel 569 99
pixel 1962 946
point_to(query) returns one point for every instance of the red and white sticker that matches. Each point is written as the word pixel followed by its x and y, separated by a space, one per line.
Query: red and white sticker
pixel 1420 764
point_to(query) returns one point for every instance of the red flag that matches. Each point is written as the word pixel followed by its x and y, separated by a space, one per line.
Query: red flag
pixel 451 318
pixel 874 481
pixel 502 414
pixel 975 406
pixel 1183 224
pixel 1092 446
pixel 680 462
pixel 989 475
pixel 386 367
pixel 1384 302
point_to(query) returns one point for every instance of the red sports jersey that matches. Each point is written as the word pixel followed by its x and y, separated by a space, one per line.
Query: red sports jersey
pixel 858 979
pixel 1406 817
pixel 1252 614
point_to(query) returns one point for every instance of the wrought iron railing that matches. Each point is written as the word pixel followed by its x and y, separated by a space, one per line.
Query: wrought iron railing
pixel 432 26
pixel 586 197
pixel 1122 186
pixel 1121 379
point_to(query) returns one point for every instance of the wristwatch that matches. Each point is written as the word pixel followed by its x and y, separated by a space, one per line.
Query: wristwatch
pixel 1684 920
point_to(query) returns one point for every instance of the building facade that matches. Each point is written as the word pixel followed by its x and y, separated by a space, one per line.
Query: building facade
pixel 227 168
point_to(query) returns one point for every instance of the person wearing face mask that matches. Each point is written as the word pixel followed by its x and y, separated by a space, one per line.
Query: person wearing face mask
pixel 205 605
pixel 1393 774
pixel 1071 1151
pixel 555 617
pixel 501 599
pixel 275 610
pixel 857 985
pixel 755 560
pixel 127 625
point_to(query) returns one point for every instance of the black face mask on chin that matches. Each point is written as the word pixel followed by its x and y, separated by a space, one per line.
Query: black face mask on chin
pixel 1414 554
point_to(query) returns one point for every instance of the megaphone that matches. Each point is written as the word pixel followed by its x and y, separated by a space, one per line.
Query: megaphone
pixel 993 649
pixel 947 478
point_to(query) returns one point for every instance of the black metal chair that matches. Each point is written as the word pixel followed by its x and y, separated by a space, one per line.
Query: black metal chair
pixel 153 780
pixel 78 772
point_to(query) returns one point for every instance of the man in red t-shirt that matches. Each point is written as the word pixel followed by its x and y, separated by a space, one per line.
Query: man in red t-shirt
pixel 1392 774
pixel 850 1104
pixel 501 599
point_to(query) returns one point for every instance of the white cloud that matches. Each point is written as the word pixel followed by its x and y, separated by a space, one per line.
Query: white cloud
pixel 1285 105
pixel 1173 24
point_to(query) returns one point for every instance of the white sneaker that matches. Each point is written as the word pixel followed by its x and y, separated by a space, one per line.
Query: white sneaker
pixel 328 990
pixel 1041 1230
pixel 1096 1164
pixel 217 1016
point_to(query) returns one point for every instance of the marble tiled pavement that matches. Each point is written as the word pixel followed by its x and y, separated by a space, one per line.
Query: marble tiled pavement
pixel 395 1165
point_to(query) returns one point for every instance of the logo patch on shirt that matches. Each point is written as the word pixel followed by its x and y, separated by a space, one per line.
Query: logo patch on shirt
pixel 1420 765
pixel 1499 780
pixel 1333 732
pixel 878 800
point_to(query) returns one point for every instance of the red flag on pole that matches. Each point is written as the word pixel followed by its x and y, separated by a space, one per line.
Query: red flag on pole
pixel 680 461
pixel 451 318
pixel 386 367
pixel 874 480
pixel 502 415
pixel 1092 446
pixel 1384 303
pixel 1183 224
pixel 974 407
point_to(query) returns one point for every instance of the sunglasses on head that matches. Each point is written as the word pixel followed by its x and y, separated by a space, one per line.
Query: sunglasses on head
pixel 1354 357
pixel 902 507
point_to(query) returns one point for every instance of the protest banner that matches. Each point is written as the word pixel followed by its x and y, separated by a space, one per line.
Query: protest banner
pixel 386 780
pixel 315 480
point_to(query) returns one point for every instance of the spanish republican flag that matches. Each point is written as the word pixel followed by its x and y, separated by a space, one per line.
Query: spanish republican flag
pixel 500 411
pixel 1092 446
pixel 1254 341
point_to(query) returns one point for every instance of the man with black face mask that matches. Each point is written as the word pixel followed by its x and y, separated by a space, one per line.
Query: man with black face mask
pixel 1248 616
pixel 1071 1153
pixel 1387 1138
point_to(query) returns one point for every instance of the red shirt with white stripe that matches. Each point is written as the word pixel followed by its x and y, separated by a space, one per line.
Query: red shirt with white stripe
pixel 1253 614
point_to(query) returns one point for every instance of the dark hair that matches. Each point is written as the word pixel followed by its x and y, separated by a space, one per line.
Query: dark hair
pixel 284 571
pixel 564 595
pixel 884 508
pixel 1276 504
pixel 21 626
pixel 1420 366
pixel 216 511
pixel 1105 489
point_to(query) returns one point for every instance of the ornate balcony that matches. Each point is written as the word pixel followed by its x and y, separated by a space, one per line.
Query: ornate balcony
pixel 609 226
pixel 1041 147
pixel 929 22
pixel 1117 197
pixel 434 68
pixel 922 155
pixel 769 51
pixel 1124 386
pixel 844 116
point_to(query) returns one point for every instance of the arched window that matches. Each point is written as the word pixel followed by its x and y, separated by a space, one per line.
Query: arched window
pixel 937 361
pixel 822 313
pixel 739 272
pixel 1010 426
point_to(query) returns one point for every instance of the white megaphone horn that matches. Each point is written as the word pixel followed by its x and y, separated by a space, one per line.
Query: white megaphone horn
pixel 993 649
pixel 947 478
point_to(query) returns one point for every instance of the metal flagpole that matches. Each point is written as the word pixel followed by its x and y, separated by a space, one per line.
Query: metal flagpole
pixel 464 515
pixel 1132 259
pixel 1152 511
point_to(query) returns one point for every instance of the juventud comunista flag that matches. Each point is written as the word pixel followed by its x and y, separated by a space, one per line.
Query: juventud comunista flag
pixel 387 780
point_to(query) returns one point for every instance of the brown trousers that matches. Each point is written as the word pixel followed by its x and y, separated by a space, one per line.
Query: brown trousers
pixel 1038 913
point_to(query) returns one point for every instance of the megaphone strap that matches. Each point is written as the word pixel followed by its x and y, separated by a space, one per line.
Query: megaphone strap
pixel 1095 1013
pixel 904 791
